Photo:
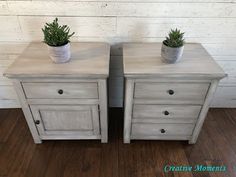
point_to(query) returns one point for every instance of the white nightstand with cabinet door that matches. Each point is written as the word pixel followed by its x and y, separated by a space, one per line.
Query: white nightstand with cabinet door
pixel 64 101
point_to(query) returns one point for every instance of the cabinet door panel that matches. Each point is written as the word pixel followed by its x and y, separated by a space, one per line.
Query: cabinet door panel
pixel 66 120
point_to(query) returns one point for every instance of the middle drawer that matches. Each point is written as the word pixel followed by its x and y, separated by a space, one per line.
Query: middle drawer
pixel 61 90
pixel 165 113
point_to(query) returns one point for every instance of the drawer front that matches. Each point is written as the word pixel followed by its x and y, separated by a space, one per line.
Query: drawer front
pixel 60 90
pixel 161 129
pixel 169 93
pixel 66 120
pixel 166 112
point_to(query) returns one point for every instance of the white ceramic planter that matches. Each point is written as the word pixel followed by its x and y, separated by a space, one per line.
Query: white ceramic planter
pixel 60 54
pixel 171 55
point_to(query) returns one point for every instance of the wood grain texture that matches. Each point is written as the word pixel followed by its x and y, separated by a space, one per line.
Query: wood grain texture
pixel 64 101
pixel 13 33
pixel 116 8
pixel 20 157
pixel 228 66
pixel 11 50
pixel 205 108
pixel 103 110
pixel 84 27
pixel 166 111
pixel 225 96
pixel 158 83
pixel 144 59
pixel 128 109
pixel 209 22
pixel 192 93
pixel 144 129
pixel 12 103
pixel 35 62
pixel 27 112
pixel 66 120
pixel 70 90
pixel 154 27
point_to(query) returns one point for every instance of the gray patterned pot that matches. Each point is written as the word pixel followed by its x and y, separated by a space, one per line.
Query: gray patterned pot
pixel 170 54
pixel 60 54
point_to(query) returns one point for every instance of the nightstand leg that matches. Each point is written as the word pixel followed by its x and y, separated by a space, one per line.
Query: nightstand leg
pixel 129 89
pixel 27 112
pixel 102 84
pixel 204 111
pixel 37 141
pixel 191 142
pixel 127 141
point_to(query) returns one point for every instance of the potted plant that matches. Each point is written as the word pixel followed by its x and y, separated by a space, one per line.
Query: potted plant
pixel 173 46
pixel 57 38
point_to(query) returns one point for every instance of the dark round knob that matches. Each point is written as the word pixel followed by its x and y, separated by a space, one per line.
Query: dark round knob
pixel 166 113
pixel 37 122
pixel 171 92
pixel 60 91
pixel 163 131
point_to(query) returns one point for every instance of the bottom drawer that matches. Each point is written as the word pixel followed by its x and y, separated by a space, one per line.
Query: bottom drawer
pixel 144 129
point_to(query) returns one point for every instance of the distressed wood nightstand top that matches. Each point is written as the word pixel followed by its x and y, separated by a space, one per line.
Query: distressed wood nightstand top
pixel 87 60
pixel 144 60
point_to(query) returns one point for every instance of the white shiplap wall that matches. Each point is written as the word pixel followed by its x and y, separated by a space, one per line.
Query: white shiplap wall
pixel 210 22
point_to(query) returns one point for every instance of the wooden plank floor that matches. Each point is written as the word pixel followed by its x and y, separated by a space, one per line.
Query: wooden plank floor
pixel 20 157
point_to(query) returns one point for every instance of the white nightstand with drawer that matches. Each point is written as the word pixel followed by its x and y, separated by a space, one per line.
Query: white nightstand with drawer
pixel 167 101
pixel 64 101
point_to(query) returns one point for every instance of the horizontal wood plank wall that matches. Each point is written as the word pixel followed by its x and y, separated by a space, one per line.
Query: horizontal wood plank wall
pixel 210 22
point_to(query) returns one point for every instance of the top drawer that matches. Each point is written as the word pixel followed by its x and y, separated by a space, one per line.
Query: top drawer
pixel 60 90
pixel 168 93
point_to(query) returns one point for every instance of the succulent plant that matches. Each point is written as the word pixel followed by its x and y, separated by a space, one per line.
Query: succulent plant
pixel 56 35
pixel 174 39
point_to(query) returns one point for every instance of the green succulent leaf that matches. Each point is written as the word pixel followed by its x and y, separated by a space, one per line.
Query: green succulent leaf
pixel 55 34
pixel 174 39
